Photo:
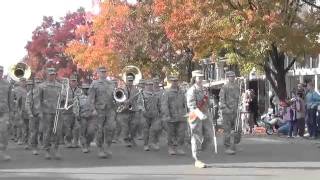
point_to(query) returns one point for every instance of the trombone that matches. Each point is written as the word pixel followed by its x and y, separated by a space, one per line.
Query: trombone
pixel 64 90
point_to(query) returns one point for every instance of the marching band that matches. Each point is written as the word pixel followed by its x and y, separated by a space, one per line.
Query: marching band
pixel 43 115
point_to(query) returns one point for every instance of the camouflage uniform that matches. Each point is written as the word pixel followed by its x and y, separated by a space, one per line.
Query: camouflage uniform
pixel 71 127
pixel 174 108
pixel 21 115
pixel 141 118
pixel 152 122
pixel 229 99
pixel 32 107
pixel 48 98
pixel 83 112
pixel 4 114
pixel 101 99
pixel 129 118
pixel 201 130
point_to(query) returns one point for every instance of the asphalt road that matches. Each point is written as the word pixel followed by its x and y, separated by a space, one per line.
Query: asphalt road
pixel 260 158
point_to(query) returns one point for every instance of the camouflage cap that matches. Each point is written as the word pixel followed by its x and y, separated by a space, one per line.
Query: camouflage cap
pixel 85 86
pixel 230 74
pixel 156 80
pixel 73 77
pixel 197 73
pixel 29 82
pixel 142 81
pixel 173 78
pixel 22 79
pixel 37 80
pixel 51 71
pixel 149 82
pixel 102 69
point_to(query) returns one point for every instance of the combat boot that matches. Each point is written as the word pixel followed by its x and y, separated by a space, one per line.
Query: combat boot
pixel 133 142
pixel 180 151
pixel 75 145
pixel 68 145
pixel 171 151
pixel 108 151
pixel 229 151
pixel 5 156
pixel 199 164
pixel 20 142
pixel 146 148
pixel 155 147
pixel 57 154
pixel 47 155
pixel 85 148
pixel 26 147
pixel 35 152
pixel 101 153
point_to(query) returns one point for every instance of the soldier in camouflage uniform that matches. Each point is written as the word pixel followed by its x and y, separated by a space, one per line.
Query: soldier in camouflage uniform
pixel 4 114
pixel 40 136
pixel 71 125
pixel 49 92
pixel 129 117
pixel 21 115
pixel 152 121
pixel 83 113
pixel 34 120
pixel 159 91
pixel 229 99
pixel 101 99
pixel 141 119
pixel 117 134
pixel 199 118
pixel 174 108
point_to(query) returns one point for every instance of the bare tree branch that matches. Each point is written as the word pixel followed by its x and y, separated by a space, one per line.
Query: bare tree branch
pixel 311 4
pixel 290 65
pixel 231 4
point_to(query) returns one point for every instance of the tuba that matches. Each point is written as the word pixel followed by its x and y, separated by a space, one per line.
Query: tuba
pixel 19 70
pixel 132 71
pixel 120 95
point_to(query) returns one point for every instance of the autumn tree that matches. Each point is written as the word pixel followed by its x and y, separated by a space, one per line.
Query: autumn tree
pixel 95 46
pixel 49 41
pixel 251 33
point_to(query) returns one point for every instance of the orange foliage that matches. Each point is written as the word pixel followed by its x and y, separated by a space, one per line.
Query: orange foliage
pixel 97 49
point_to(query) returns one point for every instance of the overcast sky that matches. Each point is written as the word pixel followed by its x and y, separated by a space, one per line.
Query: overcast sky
pixel 20 17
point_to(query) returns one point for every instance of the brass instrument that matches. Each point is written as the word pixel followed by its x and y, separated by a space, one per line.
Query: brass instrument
pixel 19 70
pixel 120 95
pixel 132 71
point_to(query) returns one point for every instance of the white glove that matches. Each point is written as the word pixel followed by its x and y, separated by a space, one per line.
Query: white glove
pixel 200 114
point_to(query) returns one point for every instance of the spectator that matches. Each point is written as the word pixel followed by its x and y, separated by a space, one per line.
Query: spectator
pixel 293 116
pixel 273 106
pixel 253 107
pixel 312 101
pixel 286 117
pixel 300 112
